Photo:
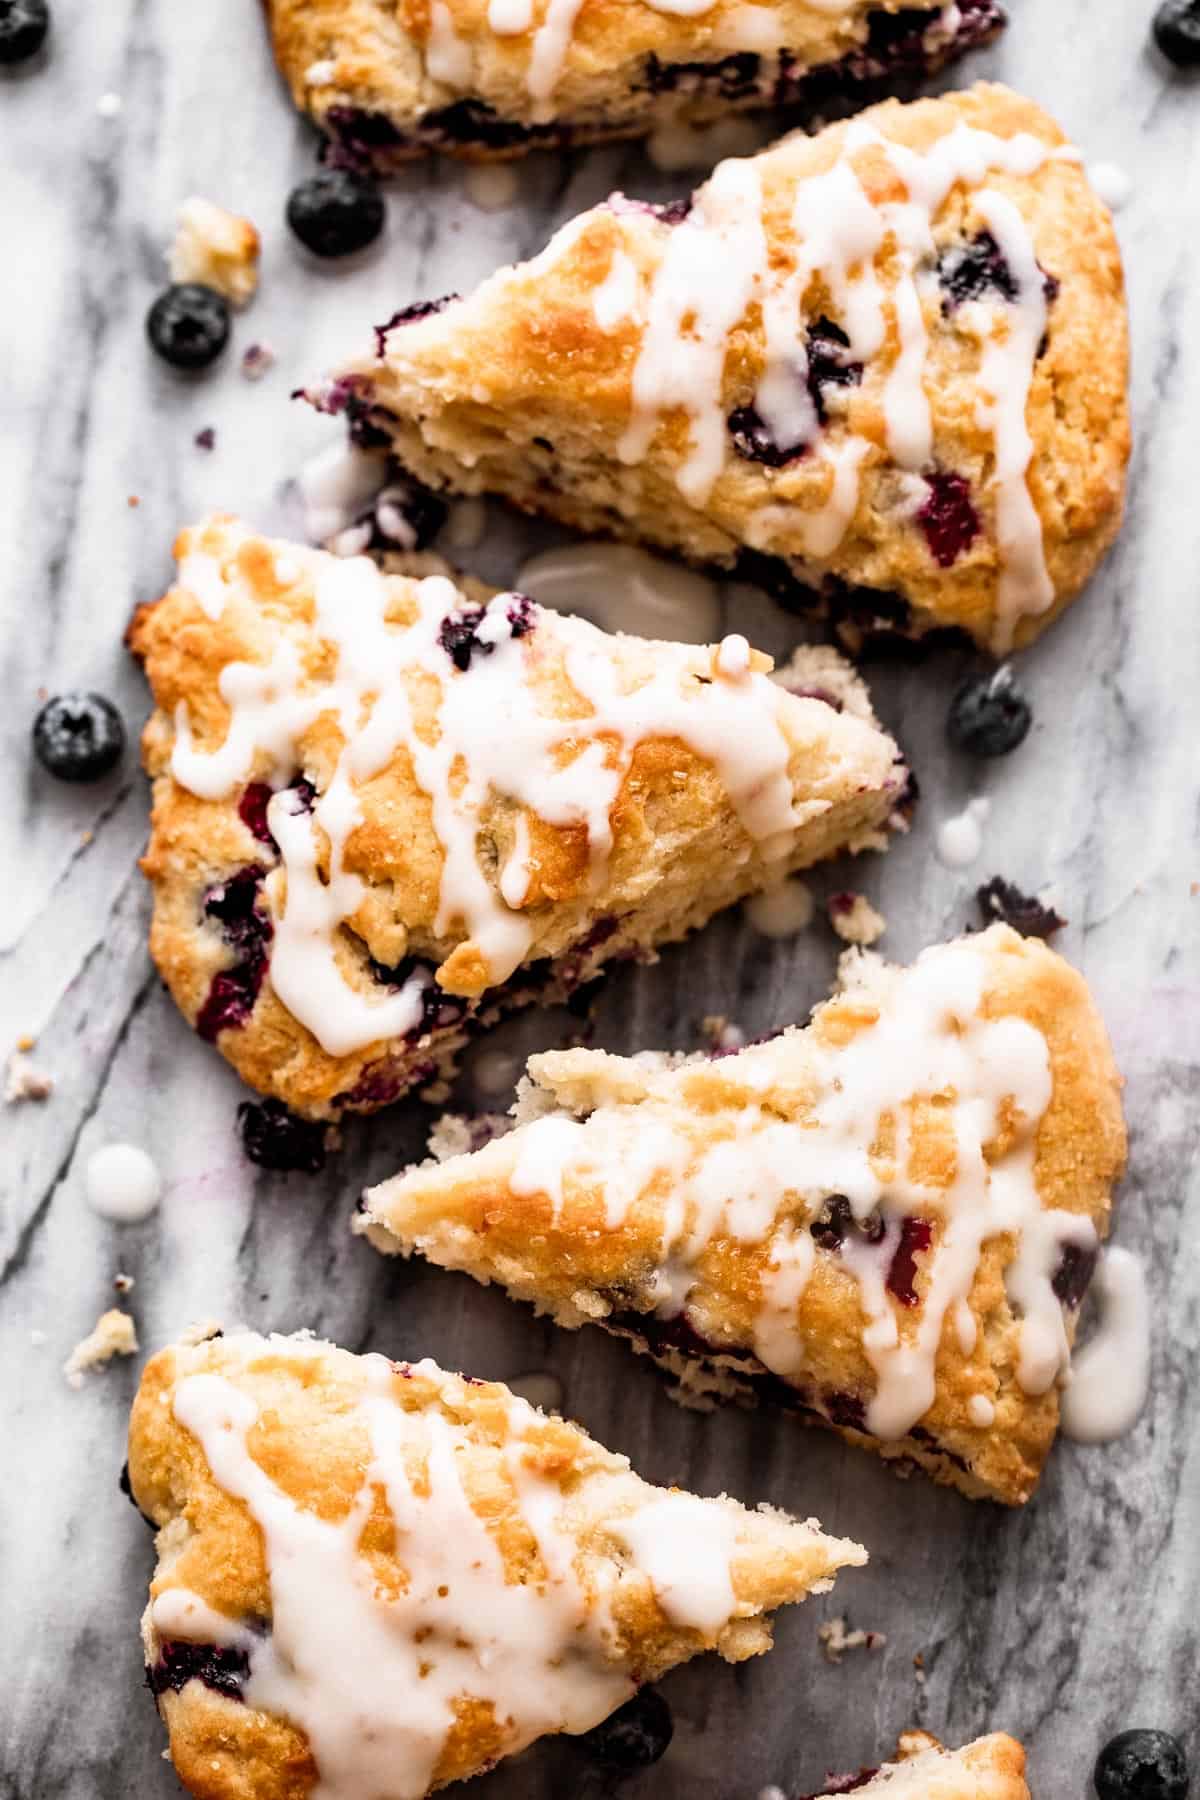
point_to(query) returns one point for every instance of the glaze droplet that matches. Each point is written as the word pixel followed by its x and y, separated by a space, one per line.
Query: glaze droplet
pixel 122 1183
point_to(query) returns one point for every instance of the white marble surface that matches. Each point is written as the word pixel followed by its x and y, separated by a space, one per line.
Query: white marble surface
pixel 1062 1623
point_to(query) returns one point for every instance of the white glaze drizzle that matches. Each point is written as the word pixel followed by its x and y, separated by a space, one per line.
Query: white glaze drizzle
pixel 1110 1375
pixel 930 1039
pixel 371 1675
pixel 960 837
pixel 447 56
pixel 491 739
pixel 717 263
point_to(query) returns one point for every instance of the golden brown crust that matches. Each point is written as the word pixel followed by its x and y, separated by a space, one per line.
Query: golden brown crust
pixel 468 393
pixel 571 1262
pixel 311 1440
pixel 374 57
pixel 679 851
pixel 992 1768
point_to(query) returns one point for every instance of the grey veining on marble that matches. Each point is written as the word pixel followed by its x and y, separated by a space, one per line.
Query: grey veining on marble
pixel 1061 1623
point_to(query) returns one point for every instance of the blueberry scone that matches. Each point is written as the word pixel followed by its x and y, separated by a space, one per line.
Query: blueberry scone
pixel 375 1578
pixel 885 1221
pixel 992 1768
pixel 495 78
pixel 881 372
pixel 383 812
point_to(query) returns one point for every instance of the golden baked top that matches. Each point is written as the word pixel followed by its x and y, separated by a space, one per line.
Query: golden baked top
pixel 380 1577
pixel 381 800
pixel 890 357
pixel 894 1211
pixel 478 78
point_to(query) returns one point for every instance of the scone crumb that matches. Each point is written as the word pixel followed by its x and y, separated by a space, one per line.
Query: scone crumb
pixel 23 1082
pixel 256 360
pixel 122 1283
pixel 114 1334
pixel 217 248
pixel 836 1640
pixel 855 919
pixel 721 1033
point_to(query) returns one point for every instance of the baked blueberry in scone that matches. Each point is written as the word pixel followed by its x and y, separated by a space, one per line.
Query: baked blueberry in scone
pixel 496 78
pixel 885 1221
pixel 384 811
pixel 881 371
pixel 376 1578
pixel 992 1768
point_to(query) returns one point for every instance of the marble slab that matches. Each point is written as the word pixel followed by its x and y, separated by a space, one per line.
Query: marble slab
pixel 1062 1623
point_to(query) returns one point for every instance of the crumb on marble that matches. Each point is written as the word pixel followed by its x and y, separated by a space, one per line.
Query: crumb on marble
pixel 122 1283
pixel 38 1338
pixel 836 1640
pixel 256 360
pixel 206 439
pixel 217 248
pixel 855 920
pixel 24 1082
pixel 114 1334
pixel 721 1033
pixel 201 1330
pixel 25 1042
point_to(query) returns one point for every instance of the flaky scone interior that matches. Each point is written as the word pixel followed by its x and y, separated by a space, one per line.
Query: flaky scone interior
pixel 885 1221
pixel 388 80
pixel 375 1578
pixel 384 811
pixel 881 372
pixel 992 1768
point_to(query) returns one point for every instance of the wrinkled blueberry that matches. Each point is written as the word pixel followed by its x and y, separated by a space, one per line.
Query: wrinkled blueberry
pixel 1142 1765
pixel 1177 32
pixel 458 633
pixel 78 737
pixel 916 1235
pixel 358 137
pixel 222 1667
pixel 948 518
pixel 475 122
pixel 23 28
pixel 406 515
pixel 1000 899
pixel 835 1221
pixel 274 1138
pixel 233 904
pixel 633 1737
pixel 188 325
pixel 336 212
pixel 827 366
pixel 752 439
pixel 989 715
pixel 971 270
pixel 1076 1266
pixel 408 315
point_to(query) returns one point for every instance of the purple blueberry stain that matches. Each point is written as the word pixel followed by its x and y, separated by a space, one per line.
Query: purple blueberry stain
pixel 274 1138
pixel 409 315
pixel 916 1235
pixel 458 633
pixel 948 517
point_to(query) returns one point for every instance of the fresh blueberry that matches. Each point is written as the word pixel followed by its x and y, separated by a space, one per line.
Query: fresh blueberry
pixel 989 715
pixel 635 1736
pixel 23 28
pixel 79 737
pixel 1177 32
pixel 1000 899
pixel 1142 1765
pixel 971 270
pixel 336 212
pixel 188 325
pixel 232 992
pixel 274 1138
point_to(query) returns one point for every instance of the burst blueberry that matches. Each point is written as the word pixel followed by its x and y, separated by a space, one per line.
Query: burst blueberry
pixel 336 212
pixel 222 1667
pixel 188 325
pixel 635 1736
pixel 948 517
pixel 1142 1765
pixel 79 737
pixel 275 1138
pixel 989 715
pixel 1000 899
pixel 23 28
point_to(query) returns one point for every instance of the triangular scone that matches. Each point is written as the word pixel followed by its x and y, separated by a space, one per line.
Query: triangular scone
pixel 882 370
pixel 383 812
pixel 496 78
pixel 885 1221
pixel 992 1768
pixel 375 1578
